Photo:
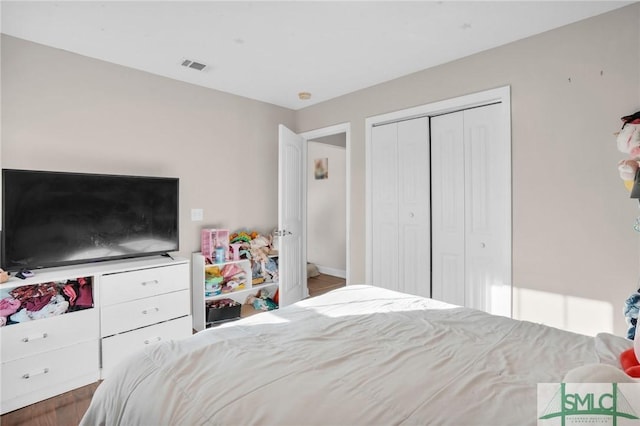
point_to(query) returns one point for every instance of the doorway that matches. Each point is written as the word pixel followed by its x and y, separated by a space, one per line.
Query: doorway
pixel 328 201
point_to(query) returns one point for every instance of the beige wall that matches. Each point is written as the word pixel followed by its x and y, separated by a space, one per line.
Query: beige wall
pixel 574 250
pixel 326 209
pixel 573 242
pixel 62 111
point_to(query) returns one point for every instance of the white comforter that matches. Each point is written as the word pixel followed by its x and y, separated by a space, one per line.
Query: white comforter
pixel 358 355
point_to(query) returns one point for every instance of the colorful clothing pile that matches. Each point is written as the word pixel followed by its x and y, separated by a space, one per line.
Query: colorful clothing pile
pixel 8 306
pixel 37 301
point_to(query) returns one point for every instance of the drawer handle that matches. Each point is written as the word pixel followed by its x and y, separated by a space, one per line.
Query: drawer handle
pixel 150 282
pixel 35 373
pixel 155 339
pixel 34 337
pixel 150 310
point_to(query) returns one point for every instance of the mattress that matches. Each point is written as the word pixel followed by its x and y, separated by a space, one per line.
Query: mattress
pixel 357 355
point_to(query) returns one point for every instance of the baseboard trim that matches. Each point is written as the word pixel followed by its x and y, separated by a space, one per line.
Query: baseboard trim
pixel 332 271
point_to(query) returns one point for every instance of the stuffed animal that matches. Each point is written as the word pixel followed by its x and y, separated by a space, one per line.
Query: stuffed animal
pixel 631 310
pixel 627 170
pixel 628 141
pixel 630 359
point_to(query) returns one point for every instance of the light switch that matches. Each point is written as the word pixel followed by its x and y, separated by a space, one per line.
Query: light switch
pixel 197 215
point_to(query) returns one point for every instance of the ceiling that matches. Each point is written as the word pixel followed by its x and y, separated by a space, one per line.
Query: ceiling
pixel 271 51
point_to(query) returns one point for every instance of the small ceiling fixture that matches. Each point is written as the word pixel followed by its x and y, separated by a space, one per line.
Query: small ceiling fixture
pixel 193 64
pixel 304 96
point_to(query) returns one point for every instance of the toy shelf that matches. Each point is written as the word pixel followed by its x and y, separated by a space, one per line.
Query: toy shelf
pixel 202 294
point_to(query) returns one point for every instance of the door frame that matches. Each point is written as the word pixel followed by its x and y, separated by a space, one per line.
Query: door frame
pixel 500 94
pixel 329 131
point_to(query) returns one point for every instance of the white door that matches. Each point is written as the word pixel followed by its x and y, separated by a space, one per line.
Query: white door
pixel 447 208
pixel 400 206
pixel 488 210
pixel 384 206
pixel 292 154
pixel 471 209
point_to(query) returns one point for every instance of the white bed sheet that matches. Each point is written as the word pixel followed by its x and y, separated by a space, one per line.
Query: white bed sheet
pixel 357 355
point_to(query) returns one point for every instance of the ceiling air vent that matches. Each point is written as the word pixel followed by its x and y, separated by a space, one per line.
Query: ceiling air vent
pixel 193 64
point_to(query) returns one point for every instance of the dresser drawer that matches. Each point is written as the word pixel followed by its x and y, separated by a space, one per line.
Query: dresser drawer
pixel 118 347
pixel 34 337
pixel 143 312
pixel 126 286
pixel 28 380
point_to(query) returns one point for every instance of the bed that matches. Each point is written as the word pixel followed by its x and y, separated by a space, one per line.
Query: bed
pixel 356 355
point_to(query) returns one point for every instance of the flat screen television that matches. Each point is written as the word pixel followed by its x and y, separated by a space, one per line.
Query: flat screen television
pixel 55 218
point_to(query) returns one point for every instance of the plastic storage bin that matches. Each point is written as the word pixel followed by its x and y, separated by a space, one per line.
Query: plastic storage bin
pixel 222 310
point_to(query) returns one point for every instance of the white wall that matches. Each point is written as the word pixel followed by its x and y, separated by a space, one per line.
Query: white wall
pixel 66 112
pixel 575 254
pixel 326 209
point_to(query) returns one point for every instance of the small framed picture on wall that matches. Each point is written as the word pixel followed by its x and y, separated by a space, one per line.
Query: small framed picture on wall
pixel 321 168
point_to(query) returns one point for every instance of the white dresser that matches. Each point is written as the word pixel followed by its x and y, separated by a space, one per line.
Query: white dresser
pixel 44 358
pixel 135 303
pixel 141 307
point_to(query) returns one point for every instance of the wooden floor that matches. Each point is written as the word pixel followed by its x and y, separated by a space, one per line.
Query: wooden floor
pixel 67 409
pixel 62 410
pixel 323 283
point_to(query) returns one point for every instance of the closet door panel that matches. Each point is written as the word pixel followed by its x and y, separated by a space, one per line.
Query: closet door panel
pixel 450 267
pixel 384 212
pixel 478 273
pixel 487 220
pixel 448 209
pixel 414 266
pixel 477 146
pixel 413 207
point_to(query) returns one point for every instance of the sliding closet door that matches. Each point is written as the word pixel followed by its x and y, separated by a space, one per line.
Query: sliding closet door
pixel 413 207
pixel 384 212
pixel 400 206
pixel 447 215
pixel 471 210
pixel 488 211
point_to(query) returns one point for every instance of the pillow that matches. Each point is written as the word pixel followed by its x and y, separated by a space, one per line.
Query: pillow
pixel 609 347
pixel 597 373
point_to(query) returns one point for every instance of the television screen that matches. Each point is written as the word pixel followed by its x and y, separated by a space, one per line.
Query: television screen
pixel 53 218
